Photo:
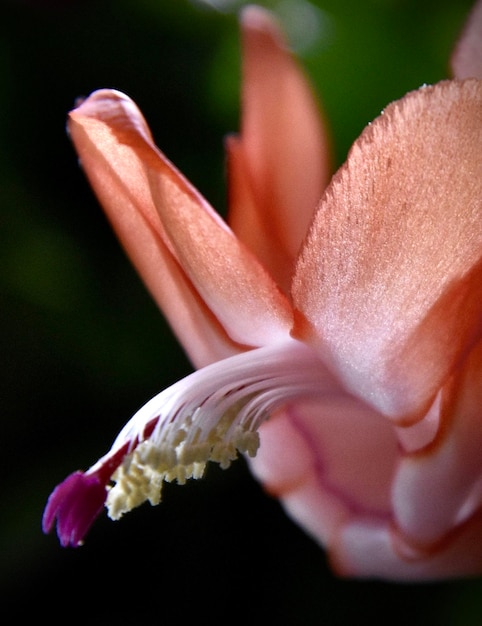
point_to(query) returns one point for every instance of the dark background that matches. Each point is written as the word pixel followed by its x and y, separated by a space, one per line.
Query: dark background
pixel 83 346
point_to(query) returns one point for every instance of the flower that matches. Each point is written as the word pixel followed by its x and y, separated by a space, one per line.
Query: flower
pixel 342 336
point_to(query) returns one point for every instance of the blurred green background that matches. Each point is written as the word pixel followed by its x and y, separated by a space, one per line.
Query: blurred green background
pixel 83 346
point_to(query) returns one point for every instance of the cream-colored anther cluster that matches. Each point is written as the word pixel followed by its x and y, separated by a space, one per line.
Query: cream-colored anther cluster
pixel 141 474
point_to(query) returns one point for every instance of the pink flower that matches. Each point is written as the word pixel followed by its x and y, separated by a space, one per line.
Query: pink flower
pixel 344 333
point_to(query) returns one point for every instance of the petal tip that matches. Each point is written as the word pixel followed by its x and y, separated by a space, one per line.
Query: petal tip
pixel 256 19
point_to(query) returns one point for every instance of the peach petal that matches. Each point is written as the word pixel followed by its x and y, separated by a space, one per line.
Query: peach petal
pixel 328 460
pixel 284 158
pixel 284 458
pixel 368 548
pixel 388 283
pixel 284 464
pixel 249 221
pixel 317 511
pixel 422 433
pixel 441 486
pixel 467 57
pixel 172 233
pixel 137 226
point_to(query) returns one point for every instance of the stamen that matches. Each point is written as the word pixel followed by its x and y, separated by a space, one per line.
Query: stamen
pixel 211 415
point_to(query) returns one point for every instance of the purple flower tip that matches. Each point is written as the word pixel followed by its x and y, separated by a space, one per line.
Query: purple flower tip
pixel 75 504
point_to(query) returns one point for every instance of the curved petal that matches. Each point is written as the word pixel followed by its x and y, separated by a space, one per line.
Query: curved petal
pixel 248 220
pixel 467 57
pixel 328 461
pixel 441 486
pixel 282 155
pixel 389 281
pixel 172 233
pixel 367 548
pixel 285 465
